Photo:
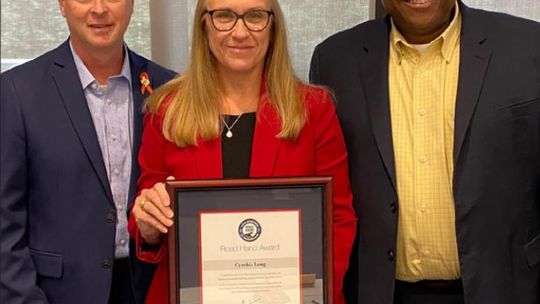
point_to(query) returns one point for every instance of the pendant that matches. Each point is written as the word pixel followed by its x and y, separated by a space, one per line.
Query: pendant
pixel 228 134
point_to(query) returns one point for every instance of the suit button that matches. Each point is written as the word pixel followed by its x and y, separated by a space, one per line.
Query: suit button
pixel 391 254
pixel 106 263
pixel 393 207
pixel 110 218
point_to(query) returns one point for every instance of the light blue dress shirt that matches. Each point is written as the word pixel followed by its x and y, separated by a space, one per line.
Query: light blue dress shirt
pixel 111 107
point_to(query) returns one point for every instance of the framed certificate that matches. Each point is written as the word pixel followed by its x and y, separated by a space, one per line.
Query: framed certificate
pixel 251 241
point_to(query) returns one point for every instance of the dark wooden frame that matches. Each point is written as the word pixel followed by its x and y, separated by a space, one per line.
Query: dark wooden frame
pixel 253 183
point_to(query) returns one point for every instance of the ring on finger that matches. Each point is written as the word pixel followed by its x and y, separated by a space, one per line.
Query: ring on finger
pixel 141 203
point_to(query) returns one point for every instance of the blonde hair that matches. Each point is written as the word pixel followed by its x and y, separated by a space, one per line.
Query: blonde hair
pixel 193 109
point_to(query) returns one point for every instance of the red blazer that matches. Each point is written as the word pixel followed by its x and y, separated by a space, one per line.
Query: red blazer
pixel 319 150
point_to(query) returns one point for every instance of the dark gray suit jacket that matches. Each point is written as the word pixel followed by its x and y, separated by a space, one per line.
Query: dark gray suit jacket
pixel 57 215
pixel 496 183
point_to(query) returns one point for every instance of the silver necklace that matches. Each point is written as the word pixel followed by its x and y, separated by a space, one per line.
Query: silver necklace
pixel 229 133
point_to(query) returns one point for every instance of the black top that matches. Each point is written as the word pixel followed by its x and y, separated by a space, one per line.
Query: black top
pixel 236 150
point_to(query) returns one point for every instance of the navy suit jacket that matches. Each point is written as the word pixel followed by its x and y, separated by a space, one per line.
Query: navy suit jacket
pixel 57 219
pixel 496 182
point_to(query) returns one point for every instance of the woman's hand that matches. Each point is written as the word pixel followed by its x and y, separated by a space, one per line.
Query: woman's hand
pixel 153 213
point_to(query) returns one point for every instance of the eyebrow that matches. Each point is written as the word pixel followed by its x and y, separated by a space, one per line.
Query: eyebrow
pixel 247 10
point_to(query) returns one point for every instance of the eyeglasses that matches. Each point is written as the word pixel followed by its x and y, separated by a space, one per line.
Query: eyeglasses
pixel 254 20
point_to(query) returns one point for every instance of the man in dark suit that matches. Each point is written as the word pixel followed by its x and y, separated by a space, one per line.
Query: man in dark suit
pixel 71 123
pixel 440 107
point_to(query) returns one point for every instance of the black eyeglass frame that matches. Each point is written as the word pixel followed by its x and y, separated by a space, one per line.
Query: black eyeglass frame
pixel 211 13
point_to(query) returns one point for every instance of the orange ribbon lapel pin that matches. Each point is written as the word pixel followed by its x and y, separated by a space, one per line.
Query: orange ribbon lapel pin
pixel 145 83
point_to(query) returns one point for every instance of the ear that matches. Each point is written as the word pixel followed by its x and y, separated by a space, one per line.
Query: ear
pixel 62 5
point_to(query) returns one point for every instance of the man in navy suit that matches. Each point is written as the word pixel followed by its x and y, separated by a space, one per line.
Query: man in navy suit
pixel 440 107
pixel 70 131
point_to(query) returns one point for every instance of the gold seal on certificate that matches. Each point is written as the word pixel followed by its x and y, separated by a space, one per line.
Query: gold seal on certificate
pixel 250 257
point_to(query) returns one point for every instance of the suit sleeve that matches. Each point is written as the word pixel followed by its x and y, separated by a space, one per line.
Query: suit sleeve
pixel 152 164
pixel 18 275
pixel 331 160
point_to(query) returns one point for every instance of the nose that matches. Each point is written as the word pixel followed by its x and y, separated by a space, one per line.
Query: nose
pixel 240 30
pixel 99 6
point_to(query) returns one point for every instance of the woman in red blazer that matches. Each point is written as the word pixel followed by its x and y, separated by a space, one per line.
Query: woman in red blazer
pixel 238 111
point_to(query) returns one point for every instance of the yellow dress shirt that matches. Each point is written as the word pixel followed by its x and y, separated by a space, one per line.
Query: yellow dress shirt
pixel 423 86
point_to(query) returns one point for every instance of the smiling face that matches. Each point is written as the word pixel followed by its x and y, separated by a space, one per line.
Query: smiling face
pixel 420 21
pixel 97 25
pixel 238 50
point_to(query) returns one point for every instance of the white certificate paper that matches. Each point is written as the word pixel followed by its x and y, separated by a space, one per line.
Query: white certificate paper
pixel 250 257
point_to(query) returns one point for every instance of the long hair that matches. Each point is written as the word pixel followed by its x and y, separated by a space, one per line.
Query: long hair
pixel 193 99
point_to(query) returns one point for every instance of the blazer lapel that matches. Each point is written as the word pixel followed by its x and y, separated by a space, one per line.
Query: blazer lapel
pixel 265 144
pixel 474 61
pixel 374 75
pixel 208 160
pixel 137 65
pixel 64 73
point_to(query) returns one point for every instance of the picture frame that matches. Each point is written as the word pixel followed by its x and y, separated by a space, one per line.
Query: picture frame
pixel 251 241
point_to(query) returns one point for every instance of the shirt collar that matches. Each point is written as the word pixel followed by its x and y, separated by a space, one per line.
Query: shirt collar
pixel 447 41
pixel 87 78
